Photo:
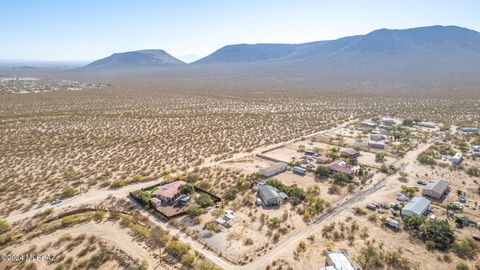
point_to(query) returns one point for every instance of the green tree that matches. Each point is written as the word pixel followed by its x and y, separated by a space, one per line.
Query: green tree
pixel 322 171
pixel 187 189
pixel 409 191
pixel 407 122
pixel 340 179
pixel 204 200
pixel 380 156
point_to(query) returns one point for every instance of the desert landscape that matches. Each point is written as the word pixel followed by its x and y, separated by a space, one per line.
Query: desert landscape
pixel 239 135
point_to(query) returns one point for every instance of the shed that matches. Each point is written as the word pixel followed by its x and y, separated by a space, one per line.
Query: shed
pixel 435 189
pixel 273 169
pixel 349 153
pixel 416 207
pixel 376 144
pixel 220 221
pixel 457 158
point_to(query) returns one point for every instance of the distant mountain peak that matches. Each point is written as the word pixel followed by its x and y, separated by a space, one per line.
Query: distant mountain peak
pixel 141 59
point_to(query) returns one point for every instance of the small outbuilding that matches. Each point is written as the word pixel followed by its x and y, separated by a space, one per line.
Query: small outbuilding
pixel 417 206
pixel 376 144
pixel 435 189
pixel 338 260
pixel 457 158
pixel 273 169
pixel 349 153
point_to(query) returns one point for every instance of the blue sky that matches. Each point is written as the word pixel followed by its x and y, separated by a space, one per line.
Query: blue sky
pixel 91 29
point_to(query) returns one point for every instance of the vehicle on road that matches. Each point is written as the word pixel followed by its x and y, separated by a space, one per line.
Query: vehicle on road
pixel 56 201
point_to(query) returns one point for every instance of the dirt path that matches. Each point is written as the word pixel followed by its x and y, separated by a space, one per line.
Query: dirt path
pixel 108 232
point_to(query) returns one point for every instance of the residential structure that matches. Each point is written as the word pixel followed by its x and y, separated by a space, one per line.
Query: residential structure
pixel 416 207
pixel 457 158
pixel 155 202
pixel 377 137
pixel 270 195
pixel 435 189
pixel 376 144
pixel 338 260
pixel 427 124
pixel 349 153
pixel 273 169
pixel 169 192
pixel 389 121
pixel 369 124
pixel 469 129
pixel 340 166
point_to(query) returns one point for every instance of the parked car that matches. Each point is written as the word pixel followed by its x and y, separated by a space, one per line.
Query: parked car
pixel 56 201
pixel 372 206
pixel 456 206
pixel 462 199
pixel 392 223
pixel 421 182
pixel 401 197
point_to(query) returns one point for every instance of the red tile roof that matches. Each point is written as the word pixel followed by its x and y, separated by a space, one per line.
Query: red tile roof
pixel 169 190
pixel 335 166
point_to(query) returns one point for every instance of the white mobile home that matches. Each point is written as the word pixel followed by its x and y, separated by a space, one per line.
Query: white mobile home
pixel 427 124
pixel 273 169
pixel 299 170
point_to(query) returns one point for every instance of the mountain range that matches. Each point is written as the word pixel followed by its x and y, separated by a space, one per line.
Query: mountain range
pixel 418 59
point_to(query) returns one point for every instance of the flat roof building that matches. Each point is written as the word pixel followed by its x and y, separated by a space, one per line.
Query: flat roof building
pixel 427 124
pixel 349 153
pixel 376 144
pixel 417 206
pixel 273 169
pixel 435 189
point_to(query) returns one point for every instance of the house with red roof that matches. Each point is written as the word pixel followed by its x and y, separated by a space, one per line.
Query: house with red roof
pixel 340 166
pixel 169 192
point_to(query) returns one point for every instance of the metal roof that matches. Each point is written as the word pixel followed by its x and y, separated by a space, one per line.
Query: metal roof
pixel 438 186
pixel 269 193
pixel 341 261
pixel 417 206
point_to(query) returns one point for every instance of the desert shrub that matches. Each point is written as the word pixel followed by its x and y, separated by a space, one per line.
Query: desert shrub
pixel 188 259
pixel 466 248
pixel 195 211
pixel 119 183
pixel 4 226
pixel 68 193
pixel 177 248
